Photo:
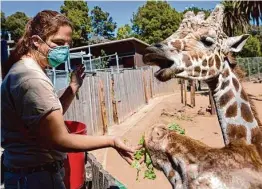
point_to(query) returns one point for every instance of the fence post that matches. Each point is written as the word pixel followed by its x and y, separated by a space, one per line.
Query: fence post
pixel 258 67
pixel 103 107
pixel 117 63
pixel 181 90
pixel 192 93
pixel 145 88
pixel 185 92
pixel 249 72
pixel 151 83
pixel 115 114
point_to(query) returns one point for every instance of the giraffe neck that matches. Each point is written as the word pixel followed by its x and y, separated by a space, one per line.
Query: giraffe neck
pixel 233 108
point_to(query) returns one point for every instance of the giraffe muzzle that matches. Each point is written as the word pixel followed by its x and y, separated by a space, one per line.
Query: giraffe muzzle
pixel 155 55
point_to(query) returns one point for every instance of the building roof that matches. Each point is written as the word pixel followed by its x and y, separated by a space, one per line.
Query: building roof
pixel 109 43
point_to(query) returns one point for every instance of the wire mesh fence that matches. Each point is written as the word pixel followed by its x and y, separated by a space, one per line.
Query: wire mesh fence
pixel 252 66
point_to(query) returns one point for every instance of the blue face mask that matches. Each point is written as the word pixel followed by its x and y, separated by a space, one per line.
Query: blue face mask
pixel 57 55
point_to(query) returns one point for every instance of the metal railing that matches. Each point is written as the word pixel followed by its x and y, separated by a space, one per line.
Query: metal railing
pixel 60 78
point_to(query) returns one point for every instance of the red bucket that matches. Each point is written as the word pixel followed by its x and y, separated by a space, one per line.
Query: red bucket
pixel 75 162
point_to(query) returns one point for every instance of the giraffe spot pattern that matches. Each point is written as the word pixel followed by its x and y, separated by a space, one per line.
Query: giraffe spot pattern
pixel 204 63
pixel 211 62
pixel 186 60
pixel 224 84
pixel 218 62
pixel 236 84
pixel 183 45
pixel 171 174
pixel 246 113
pixel 194 56
pixel 232 110
pixel 211 72
pixel 225 98
pixel 225 74
pixel 256 136
pixel 236 132
pixel 177 44
pixel 197 69
pixel 204 73
pixel 243 95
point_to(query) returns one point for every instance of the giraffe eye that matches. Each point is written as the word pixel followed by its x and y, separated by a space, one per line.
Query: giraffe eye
pixel 208 41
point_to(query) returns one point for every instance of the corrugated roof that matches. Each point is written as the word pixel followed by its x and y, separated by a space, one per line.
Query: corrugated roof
pixel 109 42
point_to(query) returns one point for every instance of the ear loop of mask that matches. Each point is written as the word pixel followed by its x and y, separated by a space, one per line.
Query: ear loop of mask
pixel 42 54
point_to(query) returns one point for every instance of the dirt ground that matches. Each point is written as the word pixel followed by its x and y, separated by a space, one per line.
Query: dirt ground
pixel 166 109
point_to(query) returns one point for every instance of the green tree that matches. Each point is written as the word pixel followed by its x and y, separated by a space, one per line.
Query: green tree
pixel 155 21
pixel 102 24
pixel 15 24
pixel 124 32
pixel 3 26
pixel 251 9
pixel 3 21
pixel 103 62
pixel 234 22
pixel 77 12
pixel 196 10
pixel 252 48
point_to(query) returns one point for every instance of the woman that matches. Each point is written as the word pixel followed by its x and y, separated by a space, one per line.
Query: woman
pixel 34 136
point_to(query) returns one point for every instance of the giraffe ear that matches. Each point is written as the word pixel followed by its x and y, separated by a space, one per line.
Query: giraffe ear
pixel 235 44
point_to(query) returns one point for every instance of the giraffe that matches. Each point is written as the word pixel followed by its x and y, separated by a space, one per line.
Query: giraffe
pixel 200 50
pixel 188 163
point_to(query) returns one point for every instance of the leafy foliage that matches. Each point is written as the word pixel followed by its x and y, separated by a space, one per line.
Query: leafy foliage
pixel 139 154
pixel 177 128
pixel 252 9
pixel 234 21
pixel 252 48
pixel 3 21
pixel 77 13
pixel 3 26
pixel 15 24
pixel 196 10
pixel 155 21
pixel 102 62
pixel 102 23
pixel 142 140
pixel 149 173
pixel 124 32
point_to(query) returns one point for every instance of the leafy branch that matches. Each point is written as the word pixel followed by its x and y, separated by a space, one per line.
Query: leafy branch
pixel 139 154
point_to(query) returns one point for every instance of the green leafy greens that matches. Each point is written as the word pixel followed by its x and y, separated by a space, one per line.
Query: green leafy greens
pixel 149 173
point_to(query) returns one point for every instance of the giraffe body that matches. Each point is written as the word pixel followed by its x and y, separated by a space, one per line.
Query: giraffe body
pixel 200 50
pixel 188 163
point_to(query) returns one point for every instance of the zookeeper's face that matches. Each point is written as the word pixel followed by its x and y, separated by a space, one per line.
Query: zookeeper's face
pixel 61 38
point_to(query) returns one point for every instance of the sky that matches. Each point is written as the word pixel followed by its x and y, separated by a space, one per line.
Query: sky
pixel 121 11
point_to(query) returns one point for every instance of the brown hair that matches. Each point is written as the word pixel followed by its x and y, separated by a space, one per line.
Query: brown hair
pixel 44 24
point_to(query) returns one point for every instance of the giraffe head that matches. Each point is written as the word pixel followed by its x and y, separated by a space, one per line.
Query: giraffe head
pixel 155 142
pixel 197 50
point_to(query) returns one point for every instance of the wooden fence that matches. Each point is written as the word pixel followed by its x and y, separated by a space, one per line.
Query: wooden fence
pixel 97 177
pixel 107 98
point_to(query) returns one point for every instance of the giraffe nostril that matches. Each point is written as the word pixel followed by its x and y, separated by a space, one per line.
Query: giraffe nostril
pixel 158 45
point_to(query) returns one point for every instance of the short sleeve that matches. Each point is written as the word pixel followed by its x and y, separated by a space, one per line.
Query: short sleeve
pixel 33 99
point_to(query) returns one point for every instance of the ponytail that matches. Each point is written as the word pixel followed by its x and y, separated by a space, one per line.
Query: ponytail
pixel 22 47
